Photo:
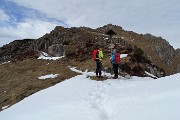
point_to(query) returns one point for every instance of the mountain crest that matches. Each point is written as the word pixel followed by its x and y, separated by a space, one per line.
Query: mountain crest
pixel 78 43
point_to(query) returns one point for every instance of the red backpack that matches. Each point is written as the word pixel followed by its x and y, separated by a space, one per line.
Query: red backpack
pixel 95 54
pixel 117 58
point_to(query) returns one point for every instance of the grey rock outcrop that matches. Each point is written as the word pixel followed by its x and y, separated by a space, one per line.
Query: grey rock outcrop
pixel 16 49
pixel 56 50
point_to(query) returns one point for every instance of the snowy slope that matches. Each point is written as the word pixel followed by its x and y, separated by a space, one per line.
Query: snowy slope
pixel 80 98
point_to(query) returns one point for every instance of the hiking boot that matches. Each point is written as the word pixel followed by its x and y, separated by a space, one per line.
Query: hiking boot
pixel 115 77
pixel 100 76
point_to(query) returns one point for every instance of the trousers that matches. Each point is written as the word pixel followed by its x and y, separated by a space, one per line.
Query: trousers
pixel 115 68
pixel 98 68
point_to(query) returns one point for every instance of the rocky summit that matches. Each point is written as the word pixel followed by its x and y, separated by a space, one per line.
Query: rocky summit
pixel 145 51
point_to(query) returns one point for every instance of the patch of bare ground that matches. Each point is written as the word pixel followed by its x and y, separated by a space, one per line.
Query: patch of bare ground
pixel 98 78
pixel 20 79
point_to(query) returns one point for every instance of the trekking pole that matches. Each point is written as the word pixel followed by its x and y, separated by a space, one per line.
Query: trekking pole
pixel 111 70
pixel 102 68
pixel 119 71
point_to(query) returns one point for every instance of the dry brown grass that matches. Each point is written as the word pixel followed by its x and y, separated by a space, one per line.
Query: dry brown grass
pixel 20 79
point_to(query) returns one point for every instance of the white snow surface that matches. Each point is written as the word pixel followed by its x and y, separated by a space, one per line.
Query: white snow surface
pixel 45 56
pixel 123 55
pixel 5 107
pixel 5 62
pixel 80 98
pixel 150 74
pixel 49 76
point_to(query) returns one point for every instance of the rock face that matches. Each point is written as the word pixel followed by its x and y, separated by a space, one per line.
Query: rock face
pixel 138 65
pixel 78 44
pixel 177 56
pixel 56 50
pixel 161 53
pixel 18 49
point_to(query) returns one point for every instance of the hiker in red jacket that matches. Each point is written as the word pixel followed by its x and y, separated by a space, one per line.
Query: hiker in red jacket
pixel 98 56
pixel 115 60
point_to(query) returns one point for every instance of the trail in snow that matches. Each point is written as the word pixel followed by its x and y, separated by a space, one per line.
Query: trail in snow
pixel 97 98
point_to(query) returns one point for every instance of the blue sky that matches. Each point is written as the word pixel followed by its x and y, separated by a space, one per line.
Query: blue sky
pixel 32 19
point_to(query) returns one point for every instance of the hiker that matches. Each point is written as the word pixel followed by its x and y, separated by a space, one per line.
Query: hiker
pixel 115 60
pixel 98 56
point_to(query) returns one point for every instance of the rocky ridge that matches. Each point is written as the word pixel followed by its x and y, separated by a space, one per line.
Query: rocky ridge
pixel 78 43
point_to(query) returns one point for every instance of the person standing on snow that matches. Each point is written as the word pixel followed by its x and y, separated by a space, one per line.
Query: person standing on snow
pixel 115 60
pixel 98 56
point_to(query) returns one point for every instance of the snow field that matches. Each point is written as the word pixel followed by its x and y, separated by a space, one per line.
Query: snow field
pixel 80 98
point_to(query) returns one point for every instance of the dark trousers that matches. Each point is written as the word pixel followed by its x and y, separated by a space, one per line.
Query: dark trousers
pixel 115 68
pixel 98 68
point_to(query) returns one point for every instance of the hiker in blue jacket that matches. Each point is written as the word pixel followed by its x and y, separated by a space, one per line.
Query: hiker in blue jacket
pixel 115 60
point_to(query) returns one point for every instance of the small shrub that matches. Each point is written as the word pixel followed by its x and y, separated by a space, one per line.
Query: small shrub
pixel 138 51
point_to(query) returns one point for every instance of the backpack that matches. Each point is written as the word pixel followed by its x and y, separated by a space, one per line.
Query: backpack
pixel 95 54
pixel 117 58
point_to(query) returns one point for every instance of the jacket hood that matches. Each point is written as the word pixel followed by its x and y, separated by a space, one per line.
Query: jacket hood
pixel 113 52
